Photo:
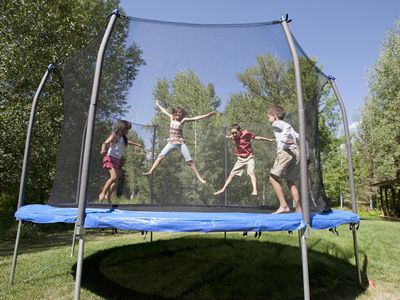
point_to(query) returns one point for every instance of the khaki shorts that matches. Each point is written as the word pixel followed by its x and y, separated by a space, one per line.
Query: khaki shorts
pixel 241 163
pixel 287 164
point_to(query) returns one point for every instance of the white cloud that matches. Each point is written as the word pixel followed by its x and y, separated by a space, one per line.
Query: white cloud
pixel 354 125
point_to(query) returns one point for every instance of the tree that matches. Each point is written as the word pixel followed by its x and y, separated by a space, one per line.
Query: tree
pixel 377 143
pixel 380 117
pixel 33 34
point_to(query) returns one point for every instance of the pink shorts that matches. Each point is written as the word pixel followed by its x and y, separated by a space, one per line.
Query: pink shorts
pixel 111 162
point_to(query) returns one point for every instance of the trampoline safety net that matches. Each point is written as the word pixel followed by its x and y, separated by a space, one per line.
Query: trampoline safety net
pixel 238 70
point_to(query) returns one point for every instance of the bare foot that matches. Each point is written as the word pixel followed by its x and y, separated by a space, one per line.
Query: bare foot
pixel 282 210
pixel 298 209
pixel 101 198
pixel 219 192
pixel 254 193
pixel 202 180
pixel 147 173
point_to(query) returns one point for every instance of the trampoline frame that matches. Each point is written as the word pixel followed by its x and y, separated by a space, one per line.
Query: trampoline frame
pixel 79 231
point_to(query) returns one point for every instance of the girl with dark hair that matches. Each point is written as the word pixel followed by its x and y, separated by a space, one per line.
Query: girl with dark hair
pixel 112 161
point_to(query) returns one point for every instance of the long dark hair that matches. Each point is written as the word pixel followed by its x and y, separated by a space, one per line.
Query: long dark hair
pixel 120 128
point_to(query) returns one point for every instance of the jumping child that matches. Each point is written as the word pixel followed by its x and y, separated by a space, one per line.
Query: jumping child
pixel 176 141
pixel 116 143
pixel 287 159
pixel 245 156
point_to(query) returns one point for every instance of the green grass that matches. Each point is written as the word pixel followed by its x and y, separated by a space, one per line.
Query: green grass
pixel 205 266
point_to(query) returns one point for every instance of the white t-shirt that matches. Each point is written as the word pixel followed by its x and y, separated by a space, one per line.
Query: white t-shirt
pixel 284 131
pixel 117 149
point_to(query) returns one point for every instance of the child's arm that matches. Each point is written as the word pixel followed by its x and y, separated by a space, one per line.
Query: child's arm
pixel 230 137
pixel 135 144
pixel 260 138
pixel 163 110
pixel 199 117
pixel 103 149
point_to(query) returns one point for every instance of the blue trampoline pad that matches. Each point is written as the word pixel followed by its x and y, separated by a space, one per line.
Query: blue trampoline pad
pixel 182 221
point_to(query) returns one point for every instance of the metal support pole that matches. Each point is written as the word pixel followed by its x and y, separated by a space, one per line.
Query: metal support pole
pixel 303 157
pixel 348 146
pixel 73 242
pixel 225 164
pixel 14 261
pixel 21 196
pixel 152 162
pixel 302 127
pixel 79 230
pixel 304 233
pixel 350 170
pixel 353 229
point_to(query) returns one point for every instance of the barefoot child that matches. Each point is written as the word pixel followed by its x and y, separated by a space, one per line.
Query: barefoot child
pixel 176 141
pixel 245 156
pixel 116 143
pixel 287 162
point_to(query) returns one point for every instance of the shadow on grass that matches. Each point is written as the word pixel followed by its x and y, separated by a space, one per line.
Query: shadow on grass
pixel 209 268
pixel 44 237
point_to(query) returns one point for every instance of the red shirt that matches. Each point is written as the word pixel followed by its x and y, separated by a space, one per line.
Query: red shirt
pixel 243 144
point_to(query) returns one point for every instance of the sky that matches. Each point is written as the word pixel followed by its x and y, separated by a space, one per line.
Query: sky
pixel 344 36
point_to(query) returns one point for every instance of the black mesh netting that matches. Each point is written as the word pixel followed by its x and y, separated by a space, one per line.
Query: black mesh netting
pixel 237 70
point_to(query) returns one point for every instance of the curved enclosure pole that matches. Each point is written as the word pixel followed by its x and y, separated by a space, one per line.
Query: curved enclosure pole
pixel 304 233
pixel 351 175
pixel 21 195
pixel 305 208
pixel 348 146
pixel 79 228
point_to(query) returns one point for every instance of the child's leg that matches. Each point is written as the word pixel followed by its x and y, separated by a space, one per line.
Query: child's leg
pixel 185 152
pixel 109 191
pixel 227 182
pixel 295 195
pixel 194 168
pixel 283 207
pixel 106 189
pixel 253 182
pixel 155 165
pixel 164 152
pixel 114 185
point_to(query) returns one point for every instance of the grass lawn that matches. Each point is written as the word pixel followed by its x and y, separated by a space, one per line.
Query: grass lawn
pixel 206 266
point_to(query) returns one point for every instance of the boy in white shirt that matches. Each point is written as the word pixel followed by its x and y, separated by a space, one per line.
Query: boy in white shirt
pixel 287 161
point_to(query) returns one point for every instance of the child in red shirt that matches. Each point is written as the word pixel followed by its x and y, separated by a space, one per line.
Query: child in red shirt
pixel 245 156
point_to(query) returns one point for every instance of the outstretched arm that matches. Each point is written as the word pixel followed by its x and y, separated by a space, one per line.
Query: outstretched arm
pixel 103 149
pixel 230 137
pixel 135 144
pixel 260 138
pixel 199 117
pixel 163 110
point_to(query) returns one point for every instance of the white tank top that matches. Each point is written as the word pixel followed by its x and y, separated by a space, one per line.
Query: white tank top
pixel 117 149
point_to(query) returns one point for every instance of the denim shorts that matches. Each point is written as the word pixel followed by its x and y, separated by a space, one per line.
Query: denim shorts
pixel 182 147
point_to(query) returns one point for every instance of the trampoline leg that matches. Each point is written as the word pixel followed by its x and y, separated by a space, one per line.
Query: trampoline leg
pixel 303 234
pixel 353 228
pixel 73 242
pixel 78 276
pixel 14 261
pixel 151 236
pixel 224 235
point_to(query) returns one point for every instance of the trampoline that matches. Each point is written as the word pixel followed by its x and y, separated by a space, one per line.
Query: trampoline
pixel 183 221
pixel 103 82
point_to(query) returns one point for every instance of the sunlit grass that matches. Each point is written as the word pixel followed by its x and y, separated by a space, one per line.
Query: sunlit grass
pixel 207 266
